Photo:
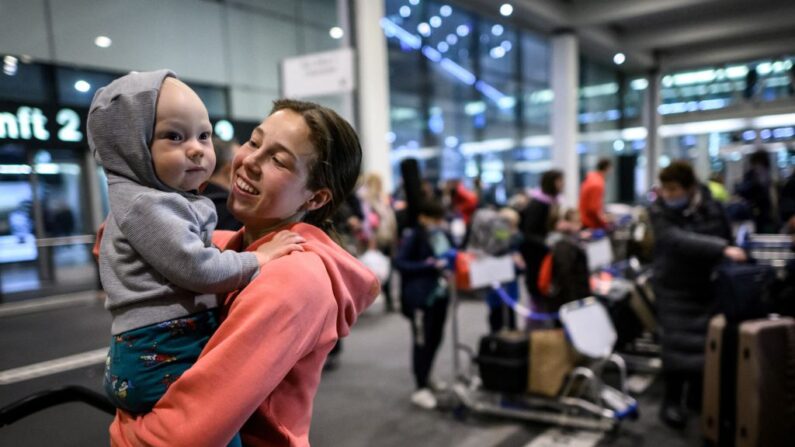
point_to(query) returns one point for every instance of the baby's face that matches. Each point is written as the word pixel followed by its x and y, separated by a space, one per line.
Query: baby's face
pixel 182 148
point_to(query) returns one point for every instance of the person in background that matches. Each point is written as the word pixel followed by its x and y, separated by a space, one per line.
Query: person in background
pixel 757 189
pixel 421 261
pixel 592 196
pixel 462 201
pixel 536 222
pixel 220 182
pixel 691 237
pixel 380 218
pixel 786 205
pixel 717 189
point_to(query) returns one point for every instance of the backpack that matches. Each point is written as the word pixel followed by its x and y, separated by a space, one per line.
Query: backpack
pixel 490 232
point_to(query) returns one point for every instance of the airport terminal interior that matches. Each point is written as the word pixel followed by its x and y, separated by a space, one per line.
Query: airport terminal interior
pixel 580 214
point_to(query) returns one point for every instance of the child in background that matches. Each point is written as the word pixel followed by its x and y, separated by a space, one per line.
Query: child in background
pixel 421 261
pixel 152 135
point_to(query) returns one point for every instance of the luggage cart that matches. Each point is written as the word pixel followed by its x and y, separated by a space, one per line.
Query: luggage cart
pixel 585 401
pixel 775 250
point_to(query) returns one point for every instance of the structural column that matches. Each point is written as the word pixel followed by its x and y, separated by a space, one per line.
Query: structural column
pixel 564 76
pixel 373 88
pixel 652 121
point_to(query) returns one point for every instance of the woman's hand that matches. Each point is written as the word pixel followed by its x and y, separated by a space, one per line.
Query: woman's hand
pixel 284 243
pixel 736 254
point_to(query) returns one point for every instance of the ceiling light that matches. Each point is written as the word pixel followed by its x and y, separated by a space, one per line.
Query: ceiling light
pixel 82 86
pixel 497 52
pixel 414 2
pixel 336 32
pixel 506 9
pixel 497 30
pixel 619 58
pixel 445 11
pixel 452 39
pixel 405 11
pixel 462 30
pixel 424 29
pixel 103 41
pixel 435 21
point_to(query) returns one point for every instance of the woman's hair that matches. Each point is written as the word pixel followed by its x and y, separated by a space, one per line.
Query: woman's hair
pixel 680 172
pixel 548 180
pixel 603 164
pixel 338 156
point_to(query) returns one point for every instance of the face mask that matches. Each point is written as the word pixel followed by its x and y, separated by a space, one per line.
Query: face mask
pixel 677 204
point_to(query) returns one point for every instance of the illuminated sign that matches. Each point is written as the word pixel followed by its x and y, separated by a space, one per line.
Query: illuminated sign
pixel 21 122
pixel 28 123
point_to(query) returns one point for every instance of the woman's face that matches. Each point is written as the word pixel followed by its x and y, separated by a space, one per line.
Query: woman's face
pixel 270 172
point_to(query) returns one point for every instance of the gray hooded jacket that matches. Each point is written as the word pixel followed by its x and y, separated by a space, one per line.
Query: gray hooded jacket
pixel 156 257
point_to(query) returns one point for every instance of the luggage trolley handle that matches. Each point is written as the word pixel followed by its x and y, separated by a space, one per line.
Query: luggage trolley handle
pixel 50 398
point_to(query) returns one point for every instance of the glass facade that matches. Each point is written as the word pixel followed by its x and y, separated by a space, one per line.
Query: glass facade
pixel 467 96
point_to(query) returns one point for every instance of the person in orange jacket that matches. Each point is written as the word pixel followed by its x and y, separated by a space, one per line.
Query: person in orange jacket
pixel 592 196
pixel 260 371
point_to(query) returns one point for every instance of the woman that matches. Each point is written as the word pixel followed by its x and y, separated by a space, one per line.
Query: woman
pixel 260 371
pixel 691 236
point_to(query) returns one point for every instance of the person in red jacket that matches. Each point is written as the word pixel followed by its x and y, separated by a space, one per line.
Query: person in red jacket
pixel 592 196
pixel 260 371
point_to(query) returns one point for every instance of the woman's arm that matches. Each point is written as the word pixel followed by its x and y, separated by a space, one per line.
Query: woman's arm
pixel 271 325
pixel 165 233
pixel 685 243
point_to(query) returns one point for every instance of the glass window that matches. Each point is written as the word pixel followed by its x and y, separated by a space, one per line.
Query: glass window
pixel 76 87
pixel 24 83
pixel 460 86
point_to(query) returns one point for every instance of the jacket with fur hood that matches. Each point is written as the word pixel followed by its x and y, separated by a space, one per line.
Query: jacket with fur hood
pixel 156 257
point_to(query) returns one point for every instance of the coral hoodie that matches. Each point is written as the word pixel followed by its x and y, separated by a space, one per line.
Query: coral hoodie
pixel 260 371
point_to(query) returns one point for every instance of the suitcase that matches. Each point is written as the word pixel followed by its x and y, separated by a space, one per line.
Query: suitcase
pixel 749 383
pixel 502 361
pixel 551 360
pixel 742 290
pixel 766 383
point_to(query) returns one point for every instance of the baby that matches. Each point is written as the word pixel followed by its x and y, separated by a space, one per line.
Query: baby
pixel 152 135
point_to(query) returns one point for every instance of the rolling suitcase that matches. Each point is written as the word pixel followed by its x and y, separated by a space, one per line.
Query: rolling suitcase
pixel 766 383
pixel 749 383
pixel 502 361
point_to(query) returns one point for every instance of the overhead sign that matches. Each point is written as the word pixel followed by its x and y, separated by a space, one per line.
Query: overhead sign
pixel 318 74
pixel 68 125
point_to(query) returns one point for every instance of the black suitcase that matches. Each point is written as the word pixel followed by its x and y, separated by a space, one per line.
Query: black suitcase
pixel 743 291
pixel 502 360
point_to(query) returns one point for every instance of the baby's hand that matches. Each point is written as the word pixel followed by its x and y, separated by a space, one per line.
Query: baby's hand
pixel 284 243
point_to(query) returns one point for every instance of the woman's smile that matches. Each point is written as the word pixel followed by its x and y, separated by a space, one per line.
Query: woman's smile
pixel 245 186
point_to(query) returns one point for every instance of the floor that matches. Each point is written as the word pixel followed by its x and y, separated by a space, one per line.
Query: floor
pixel 363 402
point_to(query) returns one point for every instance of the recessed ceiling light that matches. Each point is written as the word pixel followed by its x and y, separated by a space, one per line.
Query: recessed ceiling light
pixel 506 9
pixel 103 41
pixel 619 58
pixel 82 86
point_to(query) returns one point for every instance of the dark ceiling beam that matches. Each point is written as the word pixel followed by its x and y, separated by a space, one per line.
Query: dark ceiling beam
pixel 727 53
pixel 710 30
pixel 610 11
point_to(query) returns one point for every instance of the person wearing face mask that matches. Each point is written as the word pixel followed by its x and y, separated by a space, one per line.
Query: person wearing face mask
pixel 692 235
